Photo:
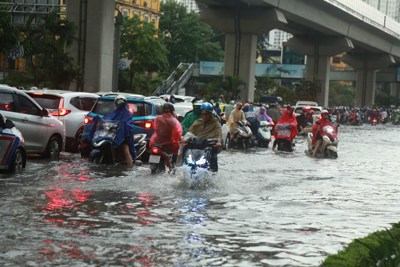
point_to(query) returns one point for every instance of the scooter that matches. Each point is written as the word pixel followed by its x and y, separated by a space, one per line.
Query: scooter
pixel 242 139
pixel 106 138
pixel 329 144
pixel 12 152
pixel 264 133
pixel 159 158
pixel 284 144
pixel 197 158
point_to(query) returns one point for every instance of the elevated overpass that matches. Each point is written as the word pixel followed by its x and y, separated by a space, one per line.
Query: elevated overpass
pixel 321 29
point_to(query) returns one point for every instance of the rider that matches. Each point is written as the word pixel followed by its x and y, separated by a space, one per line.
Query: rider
pixel 288 119
pixel 168 133
pixel 305 119
pixel 123 115
pixel 192 115
pixel 208 126
pixel 317 129
pixel 236 115
pixel 261 115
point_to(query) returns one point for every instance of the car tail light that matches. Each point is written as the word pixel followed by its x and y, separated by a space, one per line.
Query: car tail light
pixel 63 111
pixel 88 119
pixel 154 150
pixel 144 124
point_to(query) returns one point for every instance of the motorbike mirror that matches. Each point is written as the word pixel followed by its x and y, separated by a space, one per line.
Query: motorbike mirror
pixel 9 124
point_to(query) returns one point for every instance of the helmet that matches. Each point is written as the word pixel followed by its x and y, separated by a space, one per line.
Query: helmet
pixel 120 101
pixel 168 108
pixel 206 107
pixel 197 103
pixel 325 111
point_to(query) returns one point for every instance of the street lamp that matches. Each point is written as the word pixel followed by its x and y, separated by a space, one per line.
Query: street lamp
pixel 117 36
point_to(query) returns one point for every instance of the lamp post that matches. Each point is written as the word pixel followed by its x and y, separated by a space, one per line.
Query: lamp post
pixel 117 36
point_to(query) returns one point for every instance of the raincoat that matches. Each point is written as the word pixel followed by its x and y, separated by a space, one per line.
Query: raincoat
pixel 318 126
pixel 235 116
pixel 261 115
pixel 210 129
pixel 124 116
pixel 286 127
pixel 168 132
pixel 188 120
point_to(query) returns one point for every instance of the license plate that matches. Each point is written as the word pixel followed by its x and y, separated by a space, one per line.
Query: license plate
pixel 154 159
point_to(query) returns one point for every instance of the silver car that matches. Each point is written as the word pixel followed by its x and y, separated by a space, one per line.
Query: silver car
pixel 70 108
pixel 43 133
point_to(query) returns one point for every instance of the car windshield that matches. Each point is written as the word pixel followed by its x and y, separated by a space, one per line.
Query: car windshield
pixel 317 111
pixel 138 109
pixel 47 101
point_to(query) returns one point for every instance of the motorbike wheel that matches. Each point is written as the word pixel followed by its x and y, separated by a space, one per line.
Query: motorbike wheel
pixel 331 154
pixel 228 141
pixel 153 168
pixel 18 161
pixel 246 143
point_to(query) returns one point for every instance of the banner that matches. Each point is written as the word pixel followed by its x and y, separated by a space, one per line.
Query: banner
pixel 212 68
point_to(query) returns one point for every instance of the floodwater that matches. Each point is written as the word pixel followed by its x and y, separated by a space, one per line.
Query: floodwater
pixel 263 208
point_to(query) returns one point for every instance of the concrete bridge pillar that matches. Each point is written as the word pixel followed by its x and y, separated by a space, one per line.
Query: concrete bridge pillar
pixel 241 26
pixel 318 51
pixel 366 66
pixel 395 90
pixel 95 46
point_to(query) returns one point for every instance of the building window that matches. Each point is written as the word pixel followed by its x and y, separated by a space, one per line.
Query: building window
pixel 146 18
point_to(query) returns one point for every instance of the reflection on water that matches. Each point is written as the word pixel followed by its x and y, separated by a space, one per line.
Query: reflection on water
pixel 263 208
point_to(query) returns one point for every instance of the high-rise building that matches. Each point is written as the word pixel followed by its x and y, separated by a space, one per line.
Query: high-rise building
pixel 389 7
pixel 277 37
pixel 191 5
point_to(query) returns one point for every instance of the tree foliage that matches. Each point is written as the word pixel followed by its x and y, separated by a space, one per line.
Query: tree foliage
pixel 45 40
pixel 9 34
pixel 140 43
pixel 186 37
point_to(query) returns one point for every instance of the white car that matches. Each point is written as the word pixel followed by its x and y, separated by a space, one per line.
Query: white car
pixel 70 108
pixel 178 98
pixel 43 133
pixel 310 105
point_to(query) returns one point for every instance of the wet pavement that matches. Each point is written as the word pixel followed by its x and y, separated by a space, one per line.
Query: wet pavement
pixel 263 208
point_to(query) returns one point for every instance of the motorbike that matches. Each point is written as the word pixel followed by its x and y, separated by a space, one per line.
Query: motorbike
pixel 159 158
pixel 242 139
pixel 12 152
pixel 383 119
pixel 197 158
pixel 374 121
pixel 264 133
pixel 329 145
pixel 100 148
pixel 283 144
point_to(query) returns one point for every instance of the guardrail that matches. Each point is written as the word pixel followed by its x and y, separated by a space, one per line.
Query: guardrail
pixel 368 14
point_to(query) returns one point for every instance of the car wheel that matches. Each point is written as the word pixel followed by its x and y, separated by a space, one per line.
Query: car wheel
pixel 18 161
pixel 77 141
pixel 53 148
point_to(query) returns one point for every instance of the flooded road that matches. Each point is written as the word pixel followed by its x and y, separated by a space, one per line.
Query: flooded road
pixel 263 208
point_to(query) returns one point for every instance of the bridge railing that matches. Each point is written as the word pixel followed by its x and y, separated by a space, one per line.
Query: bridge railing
pixel 369 14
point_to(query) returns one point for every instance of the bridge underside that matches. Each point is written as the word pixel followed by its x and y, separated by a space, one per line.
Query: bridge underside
pixel 320 30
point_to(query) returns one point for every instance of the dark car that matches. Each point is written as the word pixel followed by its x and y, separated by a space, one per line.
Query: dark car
pixel 143 110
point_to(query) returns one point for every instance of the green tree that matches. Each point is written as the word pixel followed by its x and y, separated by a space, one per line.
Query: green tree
pixel 9 35
pixel 265 86
pixel 341 94
pixel 139 43
pixel 186 37
pixel 45 39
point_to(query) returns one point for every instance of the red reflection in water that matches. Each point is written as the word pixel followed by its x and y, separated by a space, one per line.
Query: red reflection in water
pixel 62 199
pixel 143 211
pixel 69 248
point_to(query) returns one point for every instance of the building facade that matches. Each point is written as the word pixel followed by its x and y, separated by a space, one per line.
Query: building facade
pixel 146 10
